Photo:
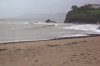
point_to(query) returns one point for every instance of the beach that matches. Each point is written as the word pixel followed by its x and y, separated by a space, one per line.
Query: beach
pixel 60 52
pixel 49 33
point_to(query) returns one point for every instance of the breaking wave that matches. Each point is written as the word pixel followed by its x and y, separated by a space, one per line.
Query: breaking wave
pixel 84 27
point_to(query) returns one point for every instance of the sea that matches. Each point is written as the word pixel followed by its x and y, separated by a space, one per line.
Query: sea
pixel 15 31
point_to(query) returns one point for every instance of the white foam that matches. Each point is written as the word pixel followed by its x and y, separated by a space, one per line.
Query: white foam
pixel 14 22
pixel 77 35
pixel 84 27
pixel 44 23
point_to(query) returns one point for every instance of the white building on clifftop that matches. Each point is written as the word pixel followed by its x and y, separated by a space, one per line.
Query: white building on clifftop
pixel 95 5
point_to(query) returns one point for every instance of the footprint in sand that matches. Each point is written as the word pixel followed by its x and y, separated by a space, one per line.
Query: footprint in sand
pixel 53 45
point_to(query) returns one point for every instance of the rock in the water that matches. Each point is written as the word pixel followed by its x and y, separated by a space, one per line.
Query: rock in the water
pixel 98 27
pixel 49 21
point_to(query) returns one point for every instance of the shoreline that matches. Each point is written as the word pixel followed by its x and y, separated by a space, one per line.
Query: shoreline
pixel 61 38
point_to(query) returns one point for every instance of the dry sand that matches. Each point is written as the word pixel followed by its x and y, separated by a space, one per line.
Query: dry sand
pixel 63 52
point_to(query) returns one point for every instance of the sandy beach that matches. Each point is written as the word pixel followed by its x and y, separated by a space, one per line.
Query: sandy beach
pixel 61 52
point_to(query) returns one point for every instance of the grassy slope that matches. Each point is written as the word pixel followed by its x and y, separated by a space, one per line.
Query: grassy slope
pixel 94 11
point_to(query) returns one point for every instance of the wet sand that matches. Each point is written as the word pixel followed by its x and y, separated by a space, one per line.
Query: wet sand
pixel 62 52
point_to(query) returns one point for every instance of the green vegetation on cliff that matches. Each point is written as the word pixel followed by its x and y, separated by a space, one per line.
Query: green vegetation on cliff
pixel 83 14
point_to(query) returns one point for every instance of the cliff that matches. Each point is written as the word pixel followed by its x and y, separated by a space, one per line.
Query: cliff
pixel 81 15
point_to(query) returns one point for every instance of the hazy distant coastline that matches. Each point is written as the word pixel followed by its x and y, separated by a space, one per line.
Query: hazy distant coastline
pixel 58 17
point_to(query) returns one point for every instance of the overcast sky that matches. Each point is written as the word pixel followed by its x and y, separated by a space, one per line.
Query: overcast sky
pixel 14 8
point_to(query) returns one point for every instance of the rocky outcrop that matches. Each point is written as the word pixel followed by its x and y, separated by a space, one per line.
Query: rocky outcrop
pixel 83 16
pixel 49 21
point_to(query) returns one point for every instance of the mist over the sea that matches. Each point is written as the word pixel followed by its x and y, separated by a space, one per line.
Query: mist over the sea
pixel 17 8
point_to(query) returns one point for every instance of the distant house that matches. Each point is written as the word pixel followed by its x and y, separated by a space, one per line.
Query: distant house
pixel 95 5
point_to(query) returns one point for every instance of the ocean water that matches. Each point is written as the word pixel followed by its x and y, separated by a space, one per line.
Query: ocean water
pixel 33 31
